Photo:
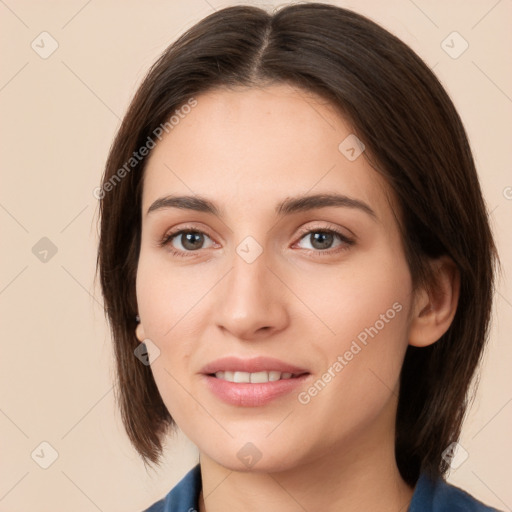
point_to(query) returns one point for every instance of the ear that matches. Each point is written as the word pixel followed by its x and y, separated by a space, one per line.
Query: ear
pixel 139 332
pixel 435 306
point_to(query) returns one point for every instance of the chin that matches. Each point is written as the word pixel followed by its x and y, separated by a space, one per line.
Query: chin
pixel 254 457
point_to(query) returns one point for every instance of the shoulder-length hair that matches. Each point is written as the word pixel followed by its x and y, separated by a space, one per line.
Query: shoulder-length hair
pixel 417 142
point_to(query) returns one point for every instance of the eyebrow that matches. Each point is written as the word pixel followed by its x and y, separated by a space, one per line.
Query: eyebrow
pixel 287 207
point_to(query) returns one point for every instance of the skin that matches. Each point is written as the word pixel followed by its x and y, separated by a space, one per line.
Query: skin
pixel 248 149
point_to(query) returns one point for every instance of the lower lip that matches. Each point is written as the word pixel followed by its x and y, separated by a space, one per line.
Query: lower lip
pixel 252 395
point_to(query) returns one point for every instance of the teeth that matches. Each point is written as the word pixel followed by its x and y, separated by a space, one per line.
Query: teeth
pixel 242 377
pixel 257 377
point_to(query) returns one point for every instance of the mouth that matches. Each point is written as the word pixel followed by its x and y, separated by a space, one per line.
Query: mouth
pixel 252 382
pixel 261 377
pixel 271 369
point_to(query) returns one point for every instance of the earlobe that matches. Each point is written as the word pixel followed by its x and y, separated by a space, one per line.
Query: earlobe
pixel 139 332
pixel 435 307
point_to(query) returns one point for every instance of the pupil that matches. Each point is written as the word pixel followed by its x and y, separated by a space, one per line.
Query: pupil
pixel 189 240
pixel 321 240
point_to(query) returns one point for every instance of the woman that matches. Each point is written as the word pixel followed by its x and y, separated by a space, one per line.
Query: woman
pixel 297 266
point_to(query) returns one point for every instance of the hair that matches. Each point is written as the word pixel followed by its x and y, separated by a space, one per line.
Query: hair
pixel 410 128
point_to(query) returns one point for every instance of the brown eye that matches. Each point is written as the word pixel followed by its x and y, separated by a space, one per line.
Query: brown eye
pixel 321 240
pixel 191 240
pixel 185 241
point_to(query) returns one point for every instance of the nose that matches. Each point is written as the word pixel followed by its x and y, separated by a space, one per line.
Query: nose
pixel 251 303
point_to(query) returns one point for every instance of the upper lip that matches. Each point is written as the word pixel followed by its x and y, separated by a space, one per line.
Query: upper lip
pixel 252 365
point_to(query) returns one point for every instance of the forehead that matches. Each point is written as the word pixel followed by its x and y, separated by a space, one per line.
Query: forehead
pixel 255 146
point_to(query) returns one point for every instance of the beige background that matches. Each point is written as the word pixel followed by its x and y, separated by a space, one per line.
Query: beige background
pixel 59 115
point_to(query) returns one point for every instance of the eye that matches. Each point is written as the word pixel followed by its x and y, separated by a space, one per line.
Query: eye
pixel 185 241
pixel 321 240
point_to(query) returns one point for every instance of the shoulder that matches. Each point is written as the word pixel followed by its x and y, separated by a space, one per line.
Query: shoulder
pixel 183 497
pixel 440 496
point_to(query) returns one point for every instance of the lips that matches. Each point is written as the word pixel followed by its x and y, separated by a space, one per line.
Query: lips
pixel 254 378
pixel 252 382
pixel 254 365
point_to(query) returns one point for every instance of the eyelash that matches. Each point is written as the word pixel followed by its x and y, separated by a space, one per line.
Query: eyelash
pixel 346 242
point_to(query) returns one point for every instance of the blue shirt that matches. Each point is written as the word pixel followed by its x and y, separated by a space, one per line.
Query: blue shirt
pixel 429 496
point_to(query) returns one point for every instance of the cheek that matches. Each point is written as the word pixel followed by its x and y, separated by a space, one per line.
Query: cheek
pixel 366 309
pixel 169 303
pixel 168 296
pixel 351 297
pixel 356 386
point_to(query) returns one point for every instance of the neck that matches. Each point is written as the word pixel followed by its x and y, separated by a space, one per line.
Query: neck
pixel 360 474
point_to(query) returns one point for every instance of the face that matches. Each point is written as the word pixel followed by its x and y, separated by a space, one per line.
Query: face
pixel 317 288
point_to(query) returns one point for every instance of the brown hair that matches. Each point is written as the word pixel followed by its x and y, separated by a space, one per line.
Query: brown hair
pixel 410 128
